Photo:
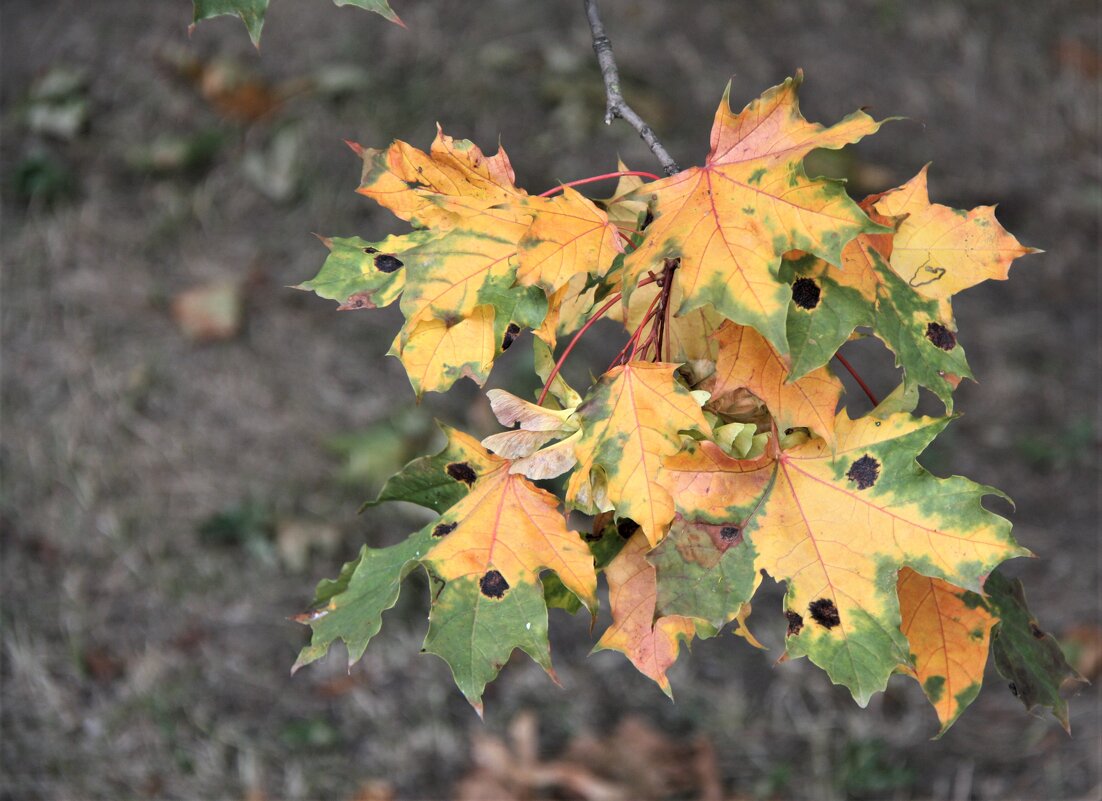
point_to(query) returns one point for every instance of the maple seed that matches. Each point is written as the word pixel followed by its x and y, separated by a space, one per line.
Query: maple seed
pixel 626 527
pixel 385 263
pixel 805 293
pixel 864 472
pixel 511 333
pixel 461 471
pixel 493 584
pixel 444 529
pixel 729 533
pixel 795 622
pixel 941 336
pixel 825 613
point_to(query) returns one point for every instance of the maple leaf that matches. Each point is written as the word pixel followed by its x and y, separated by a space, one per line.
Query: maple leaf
pixel 1028 657
pixel 939 250
pixel 837 528
pixel 624 208
pixel 433 190
pixel 651 644
pixel 949 631
pixel 705 567
pixel 829 303
pixel 484 555
pixel 569 235
pixel 436 354
pixel 252 12
pixel 629 421
pixel 363 275
pixel 746 360
pixel 730 221
pixel 704 571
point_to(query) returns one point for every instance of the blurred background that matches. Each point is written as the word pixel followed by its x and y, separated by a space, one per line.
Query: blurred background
pixel 186 441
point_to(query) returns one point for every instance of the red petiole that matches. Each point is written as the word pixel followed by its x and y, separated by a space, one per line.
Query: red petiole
pixel 842 360
pixel 595 178
pixel 601 312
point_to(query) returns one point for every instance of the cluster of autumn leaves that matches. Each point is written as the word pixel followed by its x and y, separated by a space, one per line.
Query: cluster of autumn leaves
pixel 715 454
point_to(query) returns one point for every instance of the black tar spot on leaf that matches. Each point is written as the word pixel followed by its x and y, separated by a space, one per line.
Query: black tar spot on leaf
pixel 444 529
pixel 1035 630
pixel 461 471
pixel 493 584
pixel 369 251
pixel 593 536
pixel 512 331
pixel 825 613
pixel 795 622
pixel 864 472
pixel 729 533
pixel 805 293
pixel 385 263
pixel 941 336
pixel 626 527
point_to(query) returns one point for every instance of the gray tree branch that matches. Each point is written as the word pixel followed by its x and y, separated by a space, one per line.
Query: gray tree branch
pixel 615 105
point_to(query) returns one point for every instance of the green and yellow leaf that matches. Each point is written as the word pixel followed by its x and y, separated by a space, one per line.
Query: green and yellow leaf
pixel 484 554
pixel 730 221
pixel 838 528
pixel 629 421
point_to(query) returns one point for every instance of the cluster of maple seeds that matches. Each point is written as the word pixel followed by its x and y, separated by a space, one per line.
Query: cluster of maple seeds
pixel 712 450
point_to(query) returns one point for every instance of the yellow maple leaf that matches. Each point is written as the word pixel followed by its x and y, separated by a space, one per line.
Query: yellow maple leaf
pixel 949 632
pixel 629 421
pixel 731 220
pixel 939 250
pixel 651 645
pixel 569 236
pixel 436 354
pixel 453 179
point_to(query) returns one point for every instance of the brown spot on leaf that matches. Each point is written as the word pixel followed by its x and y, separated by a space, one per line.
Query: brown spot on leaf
pixel 626 527
pixel 805 293
pixel 941 336
pixel 512 331
pixel 461 471
pixel 864 472
pixel 795 622
pixel 360 300
pixel 824 612
pixel 444 529
pixel 385 263
pixel 493 584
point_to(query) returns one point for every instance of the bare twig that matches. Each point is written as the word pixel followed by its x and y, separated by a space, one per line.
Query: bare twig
pixel 615 105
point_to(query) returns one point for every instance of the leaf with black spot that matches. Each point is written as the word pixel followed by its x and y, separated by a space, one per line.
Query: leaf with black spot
pixel 866 292
pixel 838 526
pixel 485 554
pixel 350 274
pixel 427 481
